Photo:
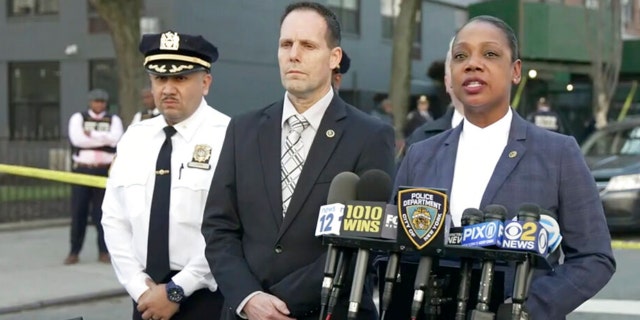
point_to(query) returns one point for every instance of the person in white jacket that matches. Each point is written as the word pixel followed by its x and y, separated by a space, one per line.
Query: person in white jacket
pixel 93 135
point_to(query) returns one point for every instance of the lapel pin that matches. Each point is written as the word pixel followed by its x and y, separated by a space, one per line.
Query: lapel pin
pixel 513 154
pixel 330 133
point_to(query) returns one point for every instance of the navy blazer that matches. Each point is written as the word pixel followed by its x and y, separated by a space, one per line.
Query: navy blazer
pixel 548 169
pixel 249 246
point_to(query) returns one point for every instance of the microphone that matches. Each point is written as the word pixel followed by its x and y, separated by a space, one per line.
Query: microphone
pixel 374 185
pixel 341 190
pixel 390 278
pixel 492 212
pixel 527 213
pixel 549 221
pixel 470 216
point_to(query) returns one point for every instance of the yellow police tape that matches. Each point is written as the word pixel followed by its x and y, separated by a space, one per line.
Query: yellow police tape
pixel 60 176
pixel 101 182
pixel 618 244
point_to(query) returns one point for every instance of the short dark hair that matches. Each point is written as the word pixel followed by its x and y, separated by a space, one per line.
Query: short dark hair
pixel 508 32
pixel 333 26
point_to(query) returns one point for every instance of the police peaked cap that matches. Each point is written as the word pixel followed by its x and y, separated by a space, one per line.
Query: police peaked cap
pixel 171 53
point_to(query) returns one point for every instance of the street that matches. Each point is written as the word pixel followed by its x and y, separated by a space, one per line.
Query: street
pixel 43 248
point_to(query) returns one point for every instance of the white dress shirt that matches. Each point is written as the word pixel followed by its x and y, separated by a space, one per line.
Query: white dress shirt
pixel 456 119
pixel 95 139
pixel 479 150
pixel 314 115
pixel 127 202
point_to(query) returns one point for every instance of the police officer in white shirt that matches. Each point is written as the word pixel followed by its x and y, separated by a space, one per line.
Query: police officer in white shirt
pixel 93 135
pixel 150 110
pixel 157 187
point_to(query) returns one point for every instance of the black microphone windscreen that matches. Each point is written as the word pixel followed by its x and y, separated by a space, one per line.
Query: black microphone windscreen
pixel 529 211
pixel 374 185
pixel 471 216
pixel 495 212
pixel 343 188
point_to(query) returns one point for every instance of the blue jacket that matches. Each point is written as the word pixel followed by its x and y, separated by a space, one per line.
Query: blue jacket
pixel 548 169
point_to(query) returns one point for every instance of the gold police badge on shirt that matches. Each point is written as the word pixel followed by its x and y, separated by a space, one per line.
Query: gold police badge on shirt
pixel 201 156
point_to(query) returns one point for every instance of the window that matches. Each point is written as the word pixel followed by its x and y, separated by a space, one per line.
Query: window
pixel 96 23
pixel 348 12
pixel 390 9
pixel 103 75
pixel 32 7
pixel 34 100
pixel 591 4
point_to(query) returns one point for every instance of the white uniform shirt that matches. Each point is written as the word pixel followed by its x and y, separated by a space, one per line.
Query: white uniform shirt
pixel 127 202
pixel 95 139
pixel 479 150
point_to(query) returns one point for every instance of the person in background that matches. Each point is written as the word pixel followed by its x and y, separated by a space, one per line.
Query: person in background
pixel 546 118
pixel 336 79
pixel 157 187
pixel 418 116
pixel 497 157
pixel 150 109
pixel 385 112
pixel 93 134
pixel 275 170
pixel 451 119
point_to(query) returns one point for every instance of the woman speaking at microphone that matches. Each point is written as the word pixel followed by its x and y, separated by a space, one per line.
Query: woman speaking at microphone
pixel 497 157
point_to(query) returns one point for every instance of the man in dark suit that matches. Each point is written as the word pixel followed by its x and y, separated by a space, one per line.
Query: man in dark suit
pixel 274 174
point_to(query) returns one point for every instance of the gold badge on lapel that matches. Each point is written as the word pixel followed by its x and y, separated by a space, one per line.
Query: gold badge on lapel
pixel 330 133
pixel 513 154
pixel 201 156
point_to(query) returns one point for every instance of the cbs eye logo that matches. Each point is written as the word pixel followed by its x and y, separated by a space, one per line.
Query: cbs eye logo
pixel 524 232
pixel 528 231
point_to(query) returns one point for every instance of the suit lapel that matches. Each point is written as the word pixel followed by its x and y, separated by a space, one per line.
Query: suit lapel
pixel 321 150
pixel 511 155
pixel 269 144
pixel 446 160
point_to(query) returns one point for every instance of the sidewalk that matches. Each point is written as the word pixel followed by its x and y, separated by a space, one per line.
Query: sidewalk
pixel 33 276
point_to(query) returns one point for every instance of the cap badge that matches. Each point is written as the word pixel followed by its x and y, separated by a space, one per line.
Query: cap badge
pixel 169 41
pixel 201 156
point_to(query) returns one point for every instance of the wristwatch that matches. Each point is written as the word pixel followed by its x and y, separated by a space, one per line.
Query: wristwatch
pixel 174 292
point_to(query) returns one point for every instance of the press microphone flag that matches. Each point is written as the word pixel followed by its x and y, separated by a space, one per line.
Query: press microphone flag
pixel 341 190
pixel 367 216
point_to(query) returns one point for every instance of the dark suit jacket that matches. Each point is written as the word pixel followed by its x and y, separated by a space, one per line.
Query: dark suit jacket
pixel 248 244
pixel 548 169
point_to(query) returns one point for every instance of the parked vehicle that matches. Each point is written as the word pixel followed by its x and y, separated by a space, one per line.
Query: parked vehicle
pixel 613 155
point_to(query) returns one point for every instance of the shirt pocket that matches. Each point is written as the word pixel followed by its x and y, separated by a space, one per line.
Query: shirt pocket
pixel 135 192
pixel 190 193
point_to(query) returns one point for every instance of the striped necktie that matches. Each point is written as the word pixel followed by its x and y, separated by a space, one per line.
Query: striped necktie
pixel 292 159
